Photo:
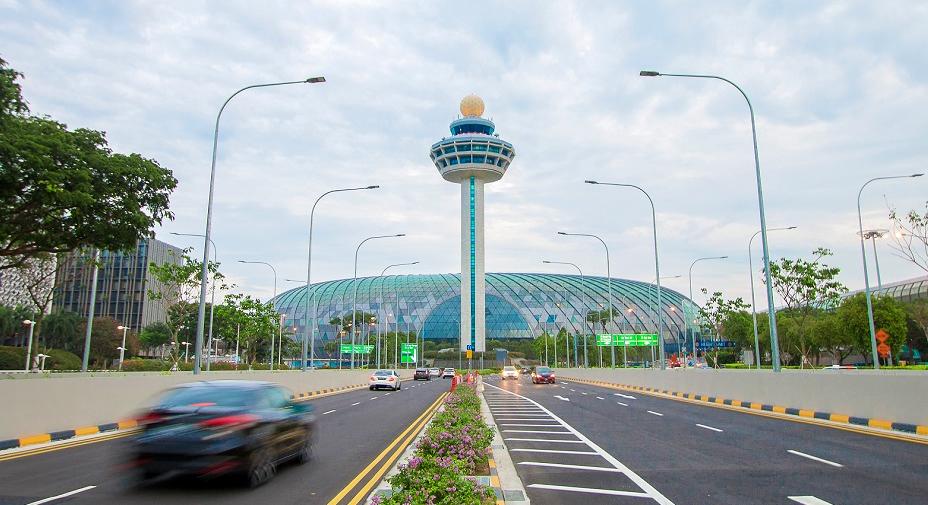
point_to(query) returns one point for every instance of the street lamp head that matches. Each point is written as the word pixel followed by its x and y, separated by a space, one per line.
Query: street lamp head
pixel 121 327
pixel 792 227
pixel 414 263
pixel 917 175
pixel 723 257
pixel 561 233
pixel 242 261
pixel 545 261
pixel 591 182
pixel 27 321
pixel 313 80
pixel 649 73
pixel 400 235
pixel 373 187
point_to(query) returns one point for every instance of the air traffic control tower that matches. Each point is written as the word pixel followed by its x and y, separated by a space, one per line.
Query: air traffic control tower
pixel 472 156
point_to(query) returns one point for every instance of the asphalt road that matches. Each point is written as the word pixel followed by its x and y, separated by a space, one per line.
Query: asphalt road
pixel 353 428
pixel 574 441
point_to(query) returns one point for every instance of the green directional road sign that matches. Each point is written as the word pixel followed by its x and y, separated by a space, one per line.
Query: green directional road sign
pixel 408 353
pixel 358 349
pixel 627 339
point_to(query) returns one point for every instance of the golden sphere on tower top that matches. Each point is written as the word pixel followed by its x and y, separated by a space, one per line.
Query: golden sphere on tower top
pixel 472 106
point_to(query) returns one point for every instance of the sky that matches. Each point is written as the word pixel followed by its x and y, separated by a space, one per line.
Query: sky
pixel 839 90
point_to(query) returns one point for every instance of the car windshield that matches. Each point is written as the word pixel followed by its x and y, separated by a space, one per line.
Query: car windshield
pixel 421 370
pixel 543 369
pixel 509 368
pixel 209 396
pixel 383 373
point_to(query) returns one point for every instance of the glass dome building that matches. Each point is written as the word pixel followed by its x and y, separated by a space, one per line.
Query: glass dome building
pixel 518 305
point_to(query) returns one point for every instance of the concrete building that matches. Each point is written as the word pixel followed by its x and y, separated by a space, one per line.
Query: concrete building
pixel 123 283
pixel 473 156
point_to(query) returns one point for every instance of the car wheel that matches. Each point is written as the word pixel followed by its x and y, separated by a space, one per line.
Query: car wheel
pixel 306 453
pixel 261 467
pixel 371 388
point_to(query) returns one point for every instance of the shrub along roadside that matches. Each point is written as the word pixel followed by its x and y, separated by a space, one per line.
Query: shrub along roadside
pixel 456 444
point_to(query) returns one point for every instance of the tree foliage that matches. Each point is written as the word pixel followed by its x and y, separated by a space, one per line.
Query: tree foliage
pixel 888 315
pixel 62 330
pixel 62 189
pixel 910 236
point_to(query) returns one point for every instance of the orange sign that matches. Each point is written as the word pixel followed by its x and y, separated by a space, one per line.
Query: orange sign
pixel 883 349
pixel 881 336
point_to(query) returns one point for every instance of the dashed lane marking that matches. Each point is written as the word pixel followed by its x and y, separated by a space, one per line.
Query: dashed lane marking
pixel 63 495
pixel 814 458
pixel 528 425
pixel 622 404
pixel 709 428
pixel 538 431
pixel 590 490
pixel 545 440
pixel 555 451
pixel 328 412
pixel 559 397
pixel 630 397
pixel 573 467
pixel 655 413
pixel 600 398
pixel 355 403
pixel 808 500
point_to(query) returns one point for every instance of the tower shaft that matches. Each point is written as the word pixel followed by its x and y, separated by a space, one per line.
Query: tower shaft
pixel 473 280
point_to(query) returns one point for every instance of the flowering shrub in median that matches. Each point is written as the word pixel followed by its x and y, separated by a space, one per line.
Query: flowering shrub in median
pixel 456 444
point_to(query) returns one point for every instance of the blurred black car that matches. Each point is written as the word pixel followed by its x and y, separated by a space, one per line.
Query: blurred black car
pixel 422 374
pixel 213 428
pixel 542 375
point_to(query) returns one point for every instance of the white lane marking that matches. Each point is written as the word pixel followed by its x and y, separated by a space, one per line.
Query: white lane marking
pixel 538 431
pixel 590 490
pixel 820 460
pixel 328 412
pixel 574 467
pixel 583 393
pixel 808 500
pixel 529 425
pixel 643 484
pixel 574 390
pixel 655 413
pixel 564 387
pixel 559 397
pixel 63 495
pixel 546 440
pixel 565 382
pixel 375 397
pixel 412 386
pixel 709 428
pixel 630 397
pixel 622 404
pixel 355 403
pixel 600 398
pixel 555 451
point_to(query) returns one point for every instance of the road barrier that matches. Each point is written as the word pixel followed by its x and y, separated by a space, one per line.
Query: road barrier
pixel 892 400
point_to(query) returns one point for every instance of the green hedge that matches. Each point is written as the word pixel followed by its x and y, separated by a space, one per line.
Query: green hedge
pixel 12 358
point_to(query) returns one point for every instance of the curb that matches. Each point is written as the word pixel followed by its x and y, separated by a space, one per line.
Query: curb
pixel 882 424
pixel 517 494
pixel 127 424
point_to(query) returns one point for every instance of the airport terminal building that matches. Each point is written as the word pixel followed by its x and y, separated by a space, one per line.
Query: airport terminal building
pixel 518 305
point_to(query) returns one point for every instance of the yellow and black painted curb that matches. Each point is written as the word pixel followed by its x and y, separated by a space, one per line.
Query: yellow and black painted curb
pixel 129 424
pixel 494 482
pixel 915 429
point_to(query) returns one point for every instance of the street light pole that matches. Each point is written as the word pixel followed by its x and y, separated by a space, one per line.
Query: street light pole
pixel 608 276
pixel 212 305
pixel 382 302
pixel 310 328
pixel 354 303
pixel 279 323
pixel 659 319
pixel 122 350
pixel 753 303
pixel 771 311
pixel 691 296
pixel 586 363
pixel 31 324
pixel 863 255
pixel 85 362
pixel 201 313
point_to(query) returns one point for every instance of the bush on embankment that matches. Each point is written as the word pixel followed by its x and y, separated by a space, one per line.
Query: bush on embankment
pixel 455 445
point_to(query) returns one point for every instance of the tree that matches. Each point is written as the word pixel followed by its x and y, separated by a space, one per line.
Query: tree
pixel 256 322
pixel 11 322
pixel 177 286
pixel 918 311
pixel 62 330
pixel 888 315
pixel 63 189
pixel 104 339
pixel 155 335
pixel 806 286
pixel 829 333
pixel 716 311
pixel 738 328
pixel 910 236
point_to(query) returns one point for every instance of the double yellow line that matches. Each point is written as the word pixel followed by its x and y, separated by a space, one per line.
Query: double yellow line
pixel 388 456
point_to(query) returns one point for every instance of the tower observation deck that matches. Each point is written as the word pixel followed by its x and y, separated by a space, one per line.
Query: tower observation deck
pixel 472 156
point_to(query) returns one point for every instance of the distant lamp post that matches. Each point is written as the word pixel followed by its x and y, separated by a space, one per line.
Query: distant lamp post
pixel 42 361
pixel 586 363
pixel 771 310
pixel 279 325
pixel 863 254
pixel 753 304
pixel 608 276
pixel 309 337
pixel 872 235
pixel 212 306
pixel 122 349
pixel 201 313
pixel 31 325
pixel 186 350
pixel 691 295
pixel 659 310
pixel 383 305
pixel 354 303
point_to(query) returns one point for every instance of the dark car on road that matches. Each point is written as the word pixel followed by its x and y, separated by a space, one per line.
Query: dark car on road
pixel 421 374
pixel 213 428
pixel 542 375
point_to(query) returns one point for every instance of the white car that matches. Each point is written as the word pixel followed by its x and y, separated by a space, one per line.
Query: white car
pixel 447 373
pixel 510 372
pixel 434 372
pixel 389 379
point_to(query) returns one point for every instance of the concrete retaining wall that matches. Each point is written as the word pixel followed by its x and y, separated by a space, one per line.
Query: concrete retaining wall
pixel 45 403
pixel 898 396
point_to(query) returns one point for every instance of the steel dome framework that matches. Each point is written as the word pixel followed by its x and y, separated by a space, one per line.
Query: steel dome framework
pixel 518 305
